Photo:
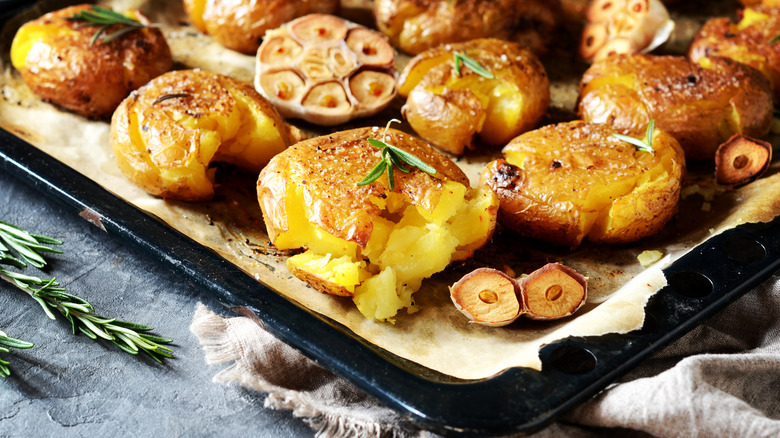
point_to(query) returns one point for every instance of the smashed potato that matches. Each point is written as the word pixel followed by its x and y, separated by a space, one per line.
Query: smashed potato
pixel 749 41
pixel 418 25
pixel 458 109
pixel 57 59
pixel 701 105
pixel 572 181
pixel 166 133
pixel 370 242
pixel 241 24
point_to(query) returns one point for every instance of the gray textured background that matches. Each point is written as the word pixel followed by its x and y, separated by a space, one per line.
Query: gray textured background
pixel 73 386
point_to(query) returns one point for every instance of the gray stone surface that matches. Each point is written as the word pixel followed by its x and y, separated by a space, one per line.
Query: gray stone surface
pixel 73 386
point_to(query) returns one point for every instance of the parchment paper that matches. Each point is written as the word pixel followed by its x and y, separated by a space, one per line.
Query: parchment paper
pixel 438 336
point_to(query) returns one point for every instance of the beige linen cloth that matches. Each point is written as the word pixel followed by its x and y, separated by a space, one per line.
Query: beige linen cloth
pixel 720 380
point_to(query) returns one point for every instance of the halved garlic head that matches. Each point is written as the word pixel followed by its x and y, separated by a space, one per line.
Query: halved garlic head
pixel 326 70
pixel 624 26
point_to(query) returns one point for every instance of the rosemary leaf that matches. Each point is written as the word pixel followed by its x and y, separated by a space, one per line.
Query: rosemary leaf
pixel 413 160
pixel 476 67
pixel 391 157
pixel 12 343
pixel 641 145
pixel 105 18
pixel 374 174
pixel 165 97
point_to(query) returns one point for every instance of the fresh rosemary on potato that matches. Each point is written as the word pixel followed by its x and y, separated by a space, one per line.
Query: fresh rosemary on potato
pixel 393 156
pixel 641 145
pixel 476 67
pixel 98 16
pixel 50 295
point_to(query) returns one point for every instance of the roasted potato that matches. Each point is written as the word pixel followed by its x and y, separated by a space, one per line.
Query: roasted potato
pixel 701 105
pixel 455 108
pixel 418 25
pixel 371 242
pixel 241 24
pixel 749 41
pixel 760 2
pixel 58 61
pixel 572 181
pixel 166 133
pixel 326 70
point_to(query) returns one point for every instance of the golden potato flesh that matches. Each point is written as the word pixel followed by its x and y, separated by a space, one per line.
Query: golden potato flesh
pixel 748 41
pixel 418 25
pixel 567 182
pixel 459 111
pixel 370 242
pixel 58 62
pixel 166 133
pixel 701 105
pixel 241 24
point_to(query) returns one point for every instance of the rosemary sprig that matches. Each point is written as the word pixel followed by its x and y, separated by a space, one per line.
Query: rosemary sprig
pixel 641 145
pixel 476 67
pixel 8 342
pixel 27 245
pixel 393 157
pixel 98 16
pixel 49 294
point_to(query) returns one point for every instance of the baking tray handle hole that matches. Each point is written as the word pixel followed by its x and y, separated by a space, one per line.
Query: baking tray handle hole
pixel 743 249
pixel 572 360
pixel 691 284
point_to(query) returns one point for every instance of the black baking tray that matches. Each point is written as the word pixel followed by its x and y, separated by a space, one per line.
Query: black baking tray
pixel 518 400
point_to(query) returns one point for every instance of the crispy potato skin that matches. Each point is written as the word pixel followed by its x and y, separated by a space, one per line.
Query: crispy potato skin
pixel 56 61
pixel 240 24
pixel 451 110
pixel 746 41
pixel 571 181
pixel 418 25
pixel 700 107
pixel 166 133
pixel 329 168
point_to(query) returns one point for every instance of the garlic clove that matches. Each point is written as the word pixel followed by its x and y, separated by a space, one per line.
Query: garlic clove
pixel 372 88
pixel 553 291
pixel 370 47
pixel 319 28
pixel 487 296
pixel 284 85
pixel 279 50
pixel 327 103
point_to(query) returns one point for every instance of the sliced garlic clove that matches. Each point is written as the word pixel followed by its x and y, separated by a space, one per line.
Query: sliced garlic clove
pixel 314 64
pixel 370 47
pixel 319 28
pixel 488 297
pixel 341 61
pixel 593 38
pixel 602 11
pixel 614 47
pixel 284 85
pixel 279 50
pixel 327 104
pixel 372 88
